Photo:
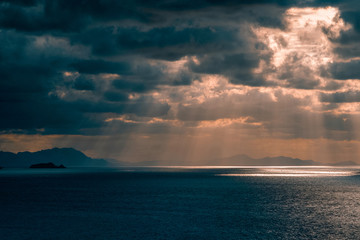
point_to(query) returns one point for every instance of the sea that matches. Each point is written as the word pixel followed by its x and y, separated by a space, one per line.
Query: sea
pixel 180 203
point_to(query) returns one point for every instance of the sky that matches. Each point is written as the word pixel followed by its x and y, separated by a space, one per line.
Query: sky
pixel 180 82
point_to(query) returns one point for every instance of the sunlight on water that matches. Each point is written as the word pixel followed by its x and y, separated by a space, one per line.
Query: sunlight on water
pixel 180 203
pixel 280 172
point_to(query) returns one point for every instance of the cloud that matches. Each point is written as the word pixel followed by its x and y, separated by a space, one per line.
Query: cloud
pixel 191 69
pixel 345 70
pixel 100 66
pixel 237 67
pixel 341 97
pixel 83 83
pixel 130 85
pixel 167 43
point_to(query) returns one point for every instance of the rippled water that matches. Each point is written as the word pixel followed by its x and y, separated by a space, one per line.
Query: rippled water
pixel 180 203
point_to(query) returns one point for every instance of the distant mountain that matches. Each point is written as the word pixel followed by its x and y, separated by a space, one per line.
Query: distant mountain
pixel 73 158
pixel 347 163
pixel 66 156
pixel 150 163
pixel 244 160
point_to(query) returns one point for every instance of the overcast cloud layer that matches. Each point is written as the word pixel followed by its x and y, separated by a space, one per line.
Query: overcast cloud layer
pixel 181 79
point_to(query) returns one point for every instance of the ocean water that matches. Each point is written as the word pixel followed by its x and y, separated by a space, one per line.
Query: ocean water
pixel 180 203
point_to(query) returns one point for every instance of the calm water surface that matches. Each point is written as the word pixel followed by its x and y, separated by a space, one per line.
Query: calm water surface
pixel 180 203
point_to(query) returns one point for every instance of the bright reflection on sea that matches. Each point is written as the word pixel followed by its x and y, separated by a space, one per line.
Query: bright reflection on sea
pixel 295 172
pixel 180 203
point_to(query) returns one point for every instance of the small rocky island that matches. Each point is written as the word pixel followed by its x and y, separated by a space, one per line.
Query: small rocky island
pixel 46 165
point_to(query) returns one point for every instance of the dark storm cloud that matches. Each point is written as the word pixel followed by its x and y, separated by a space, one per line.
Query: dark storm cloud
pixel 31 73
pixel 20 2
pixel 20 74
pixel 341 97
pixel 53 56
pixel 43 115
pixel 83 83
pixel 144 106
pixel 100 66
pixel 69 15
pixel 166 43
pixel 238 67
pixel 350 50
pixel 132 86
pixel 347 44
pixel 115 96
pixel 51 115
pixel 172 44
pixel 352 17
pixel 39 17
pixel 345 70
pixel 144 77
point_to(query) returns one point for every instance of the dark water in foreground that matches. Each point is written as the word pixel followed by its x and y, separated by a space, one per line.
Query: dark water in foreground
pixel 272 203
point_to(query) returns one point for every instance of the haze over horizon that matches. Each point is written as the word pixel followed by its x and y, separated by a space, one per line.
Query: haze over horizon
pixel 182 81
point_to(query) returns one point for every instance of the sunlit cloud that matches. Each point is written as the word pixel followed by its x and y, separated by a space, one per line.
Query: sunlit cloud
pixel 274 78
pixel 303 47
pixel 145 120
pixel 224 122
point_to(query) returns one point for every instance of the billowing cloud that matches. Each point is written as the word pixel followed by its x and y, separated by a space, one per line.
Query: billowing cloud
pixel 129 72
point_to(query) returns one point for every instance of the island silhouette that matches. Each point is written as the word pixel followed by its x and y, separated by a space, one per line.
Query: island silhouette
pixel 68 157
pixel 46 165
